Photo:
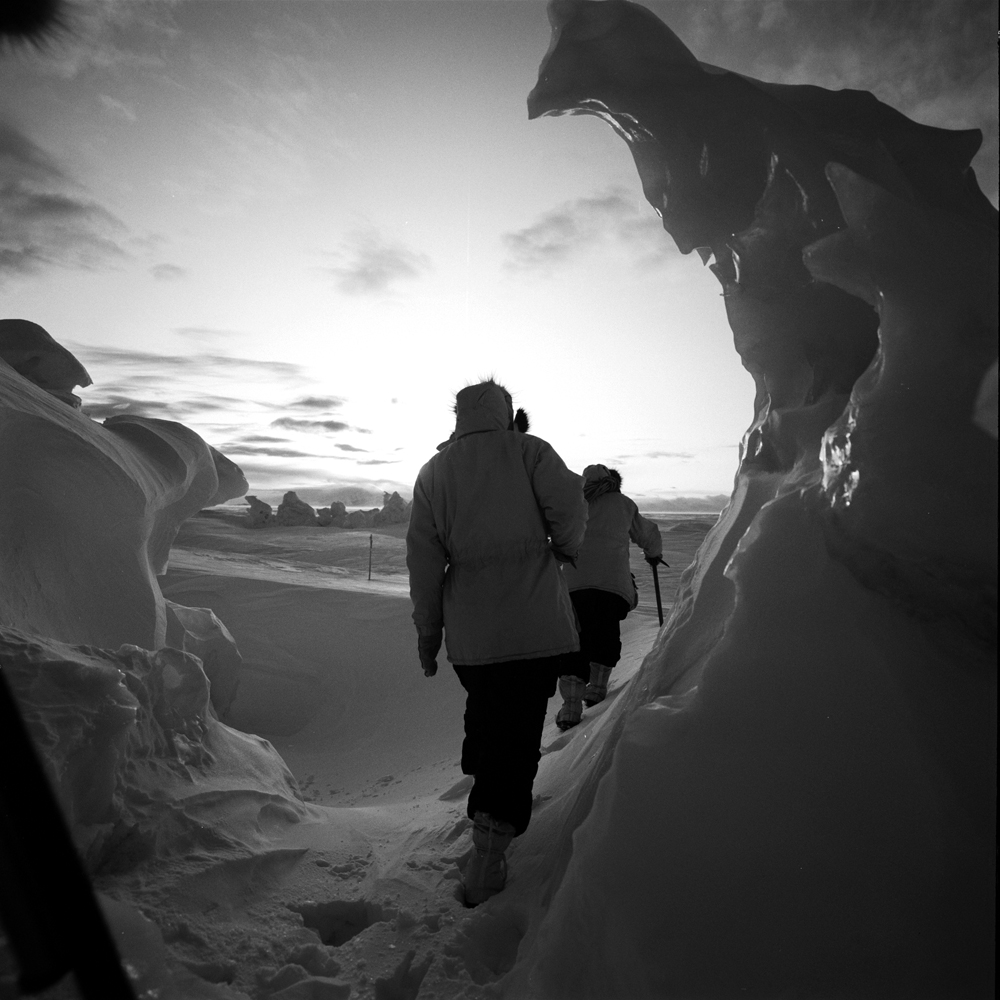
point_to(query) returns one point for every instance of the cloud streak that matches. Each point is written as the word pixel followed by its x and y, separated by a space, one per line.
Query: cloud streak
pixel 368 263
pixel 159 365
pixel 310 426
pixel 113 400
pixel 168 272
pixel 572 229
pixel 44 221
pixel 683 455
pixel 219 393
pixel 271 452
pixel 315 403
pixel 256 439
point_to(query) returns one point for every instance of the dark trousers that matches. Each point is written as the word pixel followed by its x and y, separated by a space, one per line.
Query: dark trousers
pixel 504 716
pixel 598 615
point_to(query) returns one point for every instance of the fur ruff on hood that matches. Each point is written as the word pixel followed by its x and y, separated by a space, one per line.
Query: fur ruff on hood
pixel 598 480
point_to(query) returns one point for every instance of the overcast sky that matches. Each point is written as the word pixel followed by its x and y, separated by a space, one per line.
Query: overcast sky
pixel 299 228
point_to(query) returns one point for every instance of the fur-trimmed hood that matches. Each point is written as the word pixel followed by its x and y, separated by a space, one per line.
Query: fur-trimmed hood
pixel 483 407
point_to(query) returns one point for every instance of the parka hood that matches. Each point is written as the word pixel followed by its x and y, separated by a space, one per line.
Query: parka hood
pixel 483 407
pixel 598 480
pixel 595 472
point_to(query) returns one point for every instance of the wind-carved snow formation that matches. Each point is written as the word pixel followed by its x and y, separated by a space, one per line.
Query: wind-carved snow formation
pixel 114 681
pixel 798 793
pixel 141 764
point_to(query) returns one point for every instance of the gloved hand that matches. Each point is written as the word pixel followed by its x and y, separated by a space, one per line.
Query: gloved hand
pixel 655 561
pixel 428 646
pixel 563 557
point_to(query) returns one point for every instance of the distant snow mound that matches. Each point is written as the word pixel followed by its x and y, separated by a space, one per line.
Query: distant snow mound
pixel 682 505
pixel 293 512
pixel 691 527
pixel 395 510
pixel 140 763
pixel 361 518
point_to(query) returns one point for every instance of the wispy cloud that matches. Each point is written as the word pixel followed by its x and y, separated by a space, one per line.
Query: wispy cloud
pixel 217 392
pixel 138 362
pixel 369 263
pixel 270 451
pixel 168 272
pixel 192 388
pixel 378 461
pixel 255 439
pixel 112 401
pixel 573 228
pixel 682 455
pixel 206 334
pixel 45 221
pixel 315 403
pixel 263 473
pixel 118 108
pixel 312 426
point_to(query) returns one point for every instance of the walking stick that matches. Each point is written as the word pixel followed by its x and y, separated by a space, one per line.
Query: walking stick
pixel 656 587
pixel 370 544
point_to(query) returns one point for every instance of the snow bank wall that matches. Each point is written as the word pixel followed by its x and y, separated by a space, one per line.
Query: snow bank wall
pixel 122 691
pixel 139 762
pixel 800 795
pixel 89 512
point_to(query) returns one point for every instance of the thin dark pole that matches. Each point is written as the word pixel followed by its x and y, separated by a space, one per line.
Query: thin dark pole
pixel 370 543
pixel 656 587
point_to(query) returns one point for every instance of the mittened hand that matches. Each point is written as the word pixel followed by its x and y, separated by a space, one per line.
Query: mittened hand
pixel 428 646
pixel 655 561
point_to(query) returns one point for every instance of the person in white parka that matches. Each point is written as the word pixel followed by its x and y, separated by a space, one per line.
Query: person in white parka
pixel 602 587
pixel 496 517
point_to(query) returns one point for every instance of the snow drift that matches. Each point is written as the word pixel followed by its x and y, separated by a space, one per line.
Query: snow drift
pixel 139 761
pixel 127 727
pixel 90 510
pixel 799 796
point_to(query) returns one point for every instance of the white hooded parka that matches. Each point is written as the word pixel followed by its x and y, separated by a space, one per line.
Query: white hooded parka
pixel 495 515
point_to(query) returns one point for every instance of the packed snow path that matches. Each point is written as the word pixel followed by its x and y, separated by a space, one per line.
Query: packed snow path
pixel 365 893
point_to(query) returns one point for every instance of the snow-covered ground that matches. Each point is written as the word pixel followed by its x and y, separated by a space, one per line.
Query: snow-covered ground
pixel 790 790
pixel 364 891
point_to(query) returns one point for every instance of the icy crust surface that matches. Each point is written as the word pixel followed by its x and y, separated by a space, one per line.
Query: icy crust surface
pixel 141 765
pixel 89 513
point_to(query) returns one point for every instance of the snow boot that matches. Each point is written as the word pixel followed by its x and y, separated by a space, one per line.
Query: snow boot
pixel 597 689
pixel 486 872
pixel 571 688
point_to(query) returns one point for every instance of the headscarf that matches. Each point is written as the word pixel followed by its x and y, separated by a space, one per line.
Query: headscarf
pixel 598 480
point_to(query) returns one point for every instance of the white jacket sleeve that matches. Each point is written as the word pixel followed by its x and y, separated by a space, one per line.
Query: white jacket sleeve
pixel 426 560
pixel 645 533
pixel 559 493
